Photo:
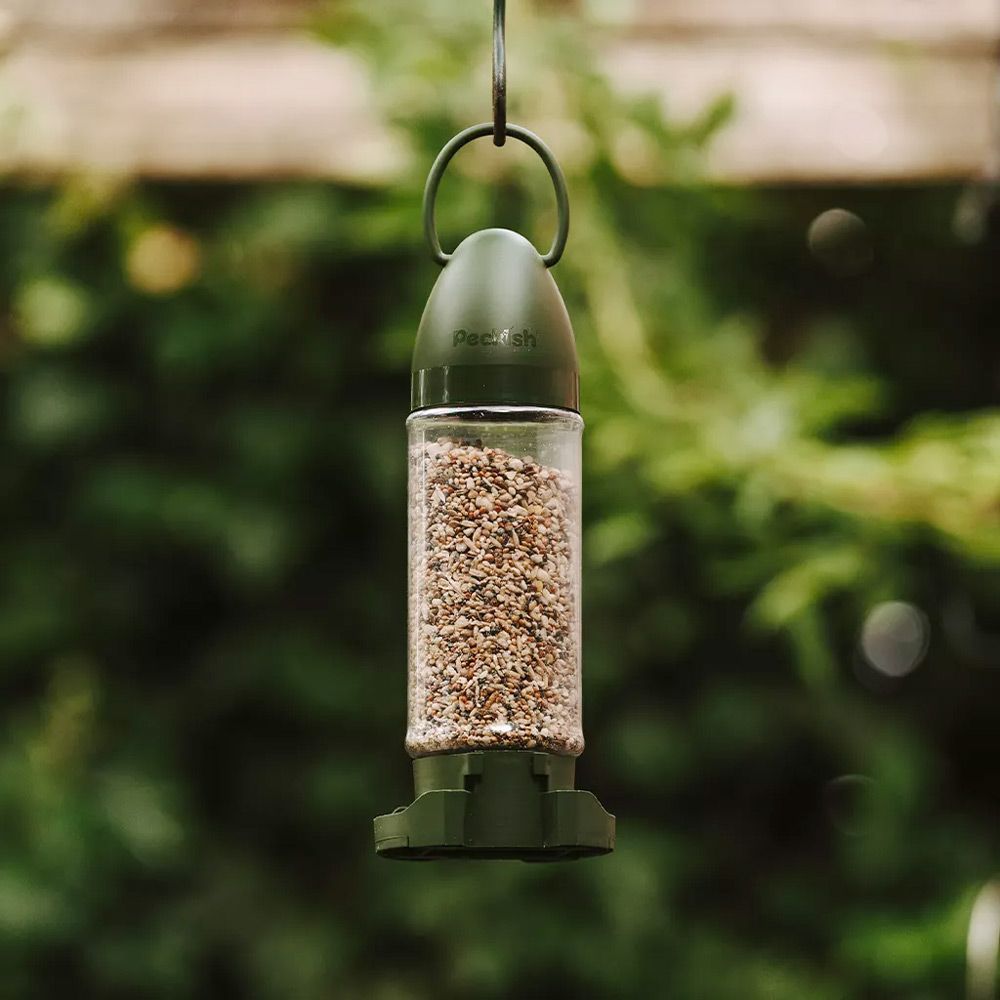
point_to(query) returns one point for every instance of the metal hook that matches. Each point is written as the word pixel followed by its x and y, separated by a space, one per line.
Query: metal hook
pixel 499 72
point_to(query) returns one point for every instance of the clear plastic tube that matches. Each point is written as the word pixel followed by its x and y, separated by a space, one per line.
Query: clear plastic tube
pixel 494 595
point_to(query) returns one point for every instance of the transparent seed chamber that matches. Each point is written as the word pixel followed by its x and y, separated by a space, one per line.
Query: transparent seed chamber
pixel 494 589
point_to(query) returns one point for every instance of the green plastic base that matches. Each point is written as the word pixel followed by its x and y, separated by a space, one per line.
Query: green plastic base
pixel 496 804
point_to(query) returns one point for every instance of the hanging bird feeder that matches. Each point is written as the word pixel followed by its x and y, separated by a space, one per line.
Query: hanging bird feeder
pixel 494 548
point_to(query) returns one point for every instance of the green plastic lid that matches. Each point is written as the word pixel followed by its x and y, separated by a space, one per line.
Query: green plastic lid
pixel 495 331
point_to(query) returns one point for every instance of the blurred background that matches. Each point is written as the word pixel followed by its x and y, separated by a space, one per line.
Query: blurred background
pixel 783 273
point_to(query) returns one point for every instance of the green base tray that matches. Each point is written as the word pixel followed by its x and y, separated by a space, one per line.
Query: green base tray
pixel 496 804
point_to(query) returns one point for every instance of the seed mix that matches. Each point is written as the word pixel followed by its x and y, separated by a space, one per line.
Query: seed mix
pixel 493 608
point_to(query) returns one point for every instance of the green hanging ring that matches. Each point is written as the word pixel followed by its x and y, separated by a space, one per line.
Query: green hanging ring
pixel 529 139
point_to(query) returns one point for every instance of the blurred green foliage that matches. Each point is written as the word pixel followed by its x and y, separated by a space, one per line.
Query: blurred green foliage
pixel 202 595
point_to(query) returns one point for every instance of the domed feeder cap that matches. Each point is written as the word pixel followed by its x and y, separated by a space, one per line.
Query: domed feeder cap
pixel 517 805
pixel 495 331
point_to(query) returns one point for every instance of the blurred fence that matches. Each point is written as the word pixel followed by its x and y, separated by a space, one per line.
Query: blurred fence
pixel 822 91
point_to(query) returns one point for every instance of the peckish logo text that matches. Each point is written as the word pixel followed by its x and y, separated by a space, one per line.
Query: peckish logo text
pixel 496 338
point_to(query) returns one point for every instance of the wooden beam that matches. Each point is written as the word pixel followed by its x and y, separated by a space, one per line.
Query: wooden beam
pixel 824 90
pixel 109 21
pixel 244 107
pixel 805 112
pixel 971 25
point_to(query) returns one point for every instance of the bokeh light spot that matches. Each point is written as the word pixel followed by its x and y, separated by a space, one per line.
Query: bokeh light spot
pixel 848 801
pixel 50 311
pixel 894 638
pixel 982 948
pixel 162 260
pixel 839 240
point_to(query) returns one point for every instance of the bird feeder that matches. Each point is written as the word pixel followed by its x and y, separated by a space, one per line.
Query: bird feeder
pixel 494 436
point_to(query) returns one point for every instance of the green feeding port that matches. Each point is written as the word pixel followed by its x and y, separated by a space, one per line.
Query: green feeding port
pixel 496 805
pixel 494 439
